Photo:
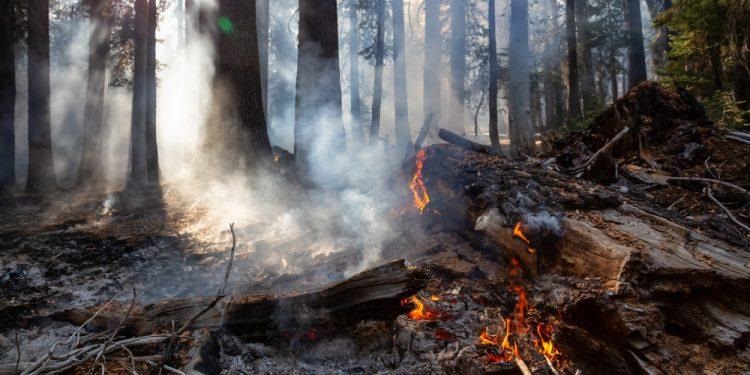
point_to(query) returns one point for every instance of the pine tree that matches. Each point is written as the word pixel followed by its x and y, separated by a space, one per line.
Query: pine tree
pixel 7 98
pixel 401 96
pixel 519 96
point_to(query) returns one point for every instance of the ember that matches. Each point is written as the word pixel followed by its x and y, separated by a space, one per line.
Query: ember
pixel 421 198
pixel 420 312
pixel 518 232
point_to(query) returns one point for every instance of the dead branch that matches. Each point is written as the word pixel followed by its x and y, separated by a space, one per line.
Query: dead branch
pixel 551 366
pixel 740 135
pixel 581 168
pixel 711 181
pixel 522 366
pixel 423 132
pixel 738 139
pixel 726 210
pixel 18 355
pixel 462 142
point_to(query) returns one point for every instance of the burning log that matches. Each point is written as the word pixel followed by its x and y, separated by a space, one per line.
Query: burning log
pixel 374 294
pixel 462 142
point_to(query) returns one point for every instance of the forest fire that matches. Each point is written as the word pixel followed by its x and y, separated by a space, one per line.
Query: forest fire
pixel 421 198
pixel 420 311
pixel 518 232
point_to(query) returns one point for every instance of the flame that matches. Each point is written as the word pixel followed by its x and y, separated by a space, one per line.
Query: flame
pixel 517 232
pixel 434 298
pixel 545 345
pixel 420 312
pixel 421 198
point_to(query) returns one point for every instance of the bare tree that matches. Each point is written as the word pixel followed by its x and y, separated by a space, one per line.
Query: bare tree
pixel 262 9
pixel 519 95
pixel 432 60
pixel 7 98
pixel 494 133
pixel 377 92
pixel 458 65
pixel 355 102
pixel 574 98
pixel 41 172
pixel 588 82
pixel 636 51
pixel 152 150
pixel 138 172
pixel 401 96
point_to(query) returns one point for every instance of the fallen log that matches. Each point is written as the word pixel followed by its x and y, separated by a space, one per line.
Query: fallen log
pixel 375 294
pixel 462 142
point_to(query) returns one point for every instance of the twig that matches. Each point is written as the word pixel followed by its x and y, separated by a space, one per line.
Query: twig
pixel 578 372
pixel 726 210
pixel 580 168
pixel 671 206
pixel 551 366
pixel 18 355
pixel 117 329
pixel 522 366
pixel 705 162
pixel 738 139
pixel 168 368
pixel 740 135
pixel 711 181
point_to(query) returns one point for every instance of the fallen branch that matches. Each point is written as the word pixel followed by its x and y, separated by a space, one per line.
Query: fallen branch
pixel 726 210
pixel 462 142
pixel 740 135
pixel 551 366
pixel 711 181
pixel 738 139
pixel 522 366
pixel 583 167
pixel 423 131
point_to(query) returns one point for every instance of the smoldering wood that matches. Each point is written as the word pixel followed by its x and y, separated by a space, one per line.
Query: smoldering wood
pixel 462 142
pixel 373 294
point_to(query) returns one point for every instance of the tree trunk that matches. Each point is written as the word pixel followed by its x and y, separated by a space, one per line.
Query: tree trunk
pixel 494 131
pixel 262 9
pixel 574 99
pixel 636 51
pixel 152 150
pixel 238 86
pixel 742 87
pixel 90 169
pixel 717 69
pixel 660 46
pixel 138 172
pixel 519 95
pixel 400 90
pixel 41 172
pixel 432 60
pixel 355 106
pixel 458 66
pixel 180 15
pixel 7 98
pixel 588 83
pixel 377 92
pixel 318 95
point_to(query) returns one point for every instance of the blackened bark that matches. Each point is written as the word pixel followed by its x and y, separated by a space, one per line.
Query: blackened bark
pixel 318 96
pixel 7 98
pixel 458 66
pixel 377 92
pixel 636 50
pixel 494 132
pixel 238 84
pixel 432 60
pixel 588 82
pixel 355 101
pixel 41 173
pixel 574 99
pixel 138 116
pixel 152 150
pixel 90 169
pixel 400 90
pixel 519 95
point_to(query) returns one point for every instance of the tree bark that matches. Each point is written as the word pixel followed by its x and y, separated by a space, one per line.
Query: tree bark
pixel 636 51
pixel 458 66
pixel 494 131
pixel 588 82
pixel 90 169
pixel 262 9
pixel 355 101
pixel 574 99
pixel 400 90
pixel 138 172
pixel 519 95
pixel 377 92
pixel 41 172
pixel 152 150
pixel 318 95
pixel 238 86
pixel 432 60
pixel 717 69
pixel 7 98
pixel 660 46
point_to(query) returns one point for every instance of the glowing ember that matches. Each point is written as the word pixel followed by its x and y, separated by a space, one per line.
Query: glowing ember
pixel 517 232
pixel 421 198
pixel 420 312
pixel 434 298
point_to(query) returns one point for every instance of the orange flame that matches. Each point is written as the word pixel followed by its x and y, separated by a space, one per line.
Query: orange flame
pixel 421 198
pixel 420 312
pixel 434 298
pixel 517 232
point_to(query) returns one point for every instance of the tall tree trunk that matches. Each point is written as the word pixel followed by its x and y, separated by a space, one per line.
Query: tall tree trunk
pixel 636 51
pixel 717 70
pixel 660 46
pixel 458 66
pixel 180 15
pixel 432 60
pixel 574 99
pixel 318 95
pixel 152 150
pixel 377 92
pixel 41 173
pixel 519 95
pixel 90 169
pixel 355 102
pixel 588 82
pixel 742 88
pixel 553 89
pixel 238 88
pixel 262 9
pixel 401 96
pixel 138 172
pixel 494 131
pixel 615 91
pixel 7 98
